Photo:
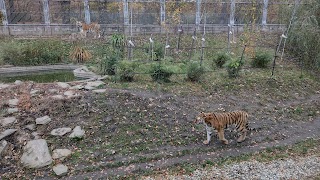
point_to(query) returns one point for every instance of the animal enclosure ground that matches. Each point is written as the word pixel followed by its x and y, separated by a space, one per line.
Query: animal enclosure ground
pixel 139 127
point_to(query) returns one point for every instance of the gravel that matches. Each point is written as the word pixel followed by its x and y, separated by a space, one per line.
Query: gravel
pixel 298 168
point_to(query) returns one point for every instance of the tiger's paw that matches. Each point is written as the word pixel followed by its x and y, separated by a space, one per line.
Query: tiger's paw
pixel 206 142
pixel 240 140
pixel 225 142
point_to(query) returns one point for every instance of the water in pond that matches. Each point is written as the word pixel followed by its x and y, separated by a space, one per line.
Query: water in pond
pixel 61 76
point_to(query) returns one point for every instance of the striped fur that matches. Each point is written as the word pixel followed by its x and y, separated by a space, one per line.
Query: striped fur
pixel 85 28
pixel 220 121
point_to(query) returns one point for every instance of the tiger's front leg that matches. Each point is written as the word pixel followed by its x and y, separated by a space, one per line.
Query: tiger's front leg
pixel 209 132
pixel 221 136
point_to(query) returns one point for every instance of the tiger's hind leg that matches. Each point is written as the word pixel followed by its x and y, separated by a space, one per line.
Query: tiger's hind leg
pixel 242 137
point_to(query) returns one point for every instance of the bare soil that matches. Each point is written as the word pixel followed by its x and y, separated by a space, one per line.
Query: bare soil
pixel 135 130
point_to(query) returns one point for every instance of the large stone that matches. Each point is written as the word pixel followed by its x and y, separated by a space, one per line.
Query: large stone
pixel 43 120
pixel 3 147
pixel 12 110
pixel 7 121
pixel 31 127
pixel 36 154
pixel 93 84
pixel 2 86
pixel 18 82
pixel 99 90
pixel 63 85
pixel 60 131
pixel 77 87
pixel 70 94
pixel 58 96
pixel 7 133
pixel 60 154
pixel 77 132
pixel 60 169
pixel 13 102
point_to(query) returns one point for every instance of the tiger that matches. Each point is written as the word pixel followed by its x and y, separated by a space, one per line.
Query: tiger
pixel 220 121
pixel 85 28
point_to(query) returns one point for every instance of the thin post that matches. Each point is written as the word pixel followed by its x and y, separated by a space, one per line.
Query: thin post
pixel 86 12
pixel 232 12
pixel 125 12
pixel 162 11
pixel 274 60
pixel 203 40
pixel 264 12
pixel 194 37
pixel 4 13
pixel 296 3
pixel 46 13
pixel 198 9
pixel 229 30
pixel 243 51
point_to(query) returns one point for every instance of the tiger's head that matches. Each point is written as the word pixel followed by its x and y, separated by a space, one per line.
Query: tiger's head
pixel 79 24
pixel 201 117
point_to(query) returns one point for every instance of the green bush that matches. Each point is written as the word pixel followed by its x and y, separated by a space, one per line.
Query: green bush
pixel 161 73
pixel 108 64
pixel 158 51
pixel 233 67
pixel 32 53
pixel 126 70
pixel 220 59
pixel 261 60
pixel 195 71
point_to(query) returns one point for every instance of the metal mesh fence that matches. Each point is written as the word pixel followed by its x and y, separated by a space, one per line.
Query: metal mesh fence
pixel 146 12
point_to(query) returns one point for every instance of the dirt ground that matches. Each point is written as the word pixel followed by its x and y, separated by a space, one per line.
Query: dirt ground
pixel 137 130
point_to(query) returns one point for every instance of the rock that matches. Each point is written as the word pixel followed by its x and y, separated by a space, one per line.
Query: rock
pixel 12 110
pixel 7 133
pixel 60 170
pixel 3 147
pixel 60 131
pixel 36 154
pixel 18 82
pixel 60 154
pixel 43 120
pixel 63 85
pixel 70 94
pixel 7 121
pixel 57 97
pixel 77 132
pixel 77 87
pixel 13 102
pixel 31 127
pixel 53 90
pixel 99 90
pixel 93 85
pixel 34 92
pixel 2 86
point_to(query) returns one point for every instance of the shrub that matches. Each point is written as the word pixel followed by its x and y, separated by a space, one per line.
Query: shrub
pixel 158 51
pixel 261 60
pixel 126 70
pixel 221 59
pixel 37 52
pixel 108 64
pixel 233 67
pixel 195 71
pixel 161 73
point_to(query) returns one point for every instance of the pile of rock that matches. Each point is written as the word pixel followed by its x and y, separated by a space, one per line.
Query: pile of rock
pixel 36 153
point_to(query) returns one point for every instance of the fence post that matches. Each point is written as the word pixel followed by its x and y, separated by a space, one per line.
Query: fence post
pixel 264 12
pixel 125 12
pixel 86 12
pixel 4 13
pixel 46 12
pixel 232 12
pixel 198 9
pixel 162 12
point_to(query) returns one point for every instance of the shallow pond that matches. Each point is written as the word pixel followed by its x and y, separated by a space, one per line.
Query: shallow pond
pixel 43 77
